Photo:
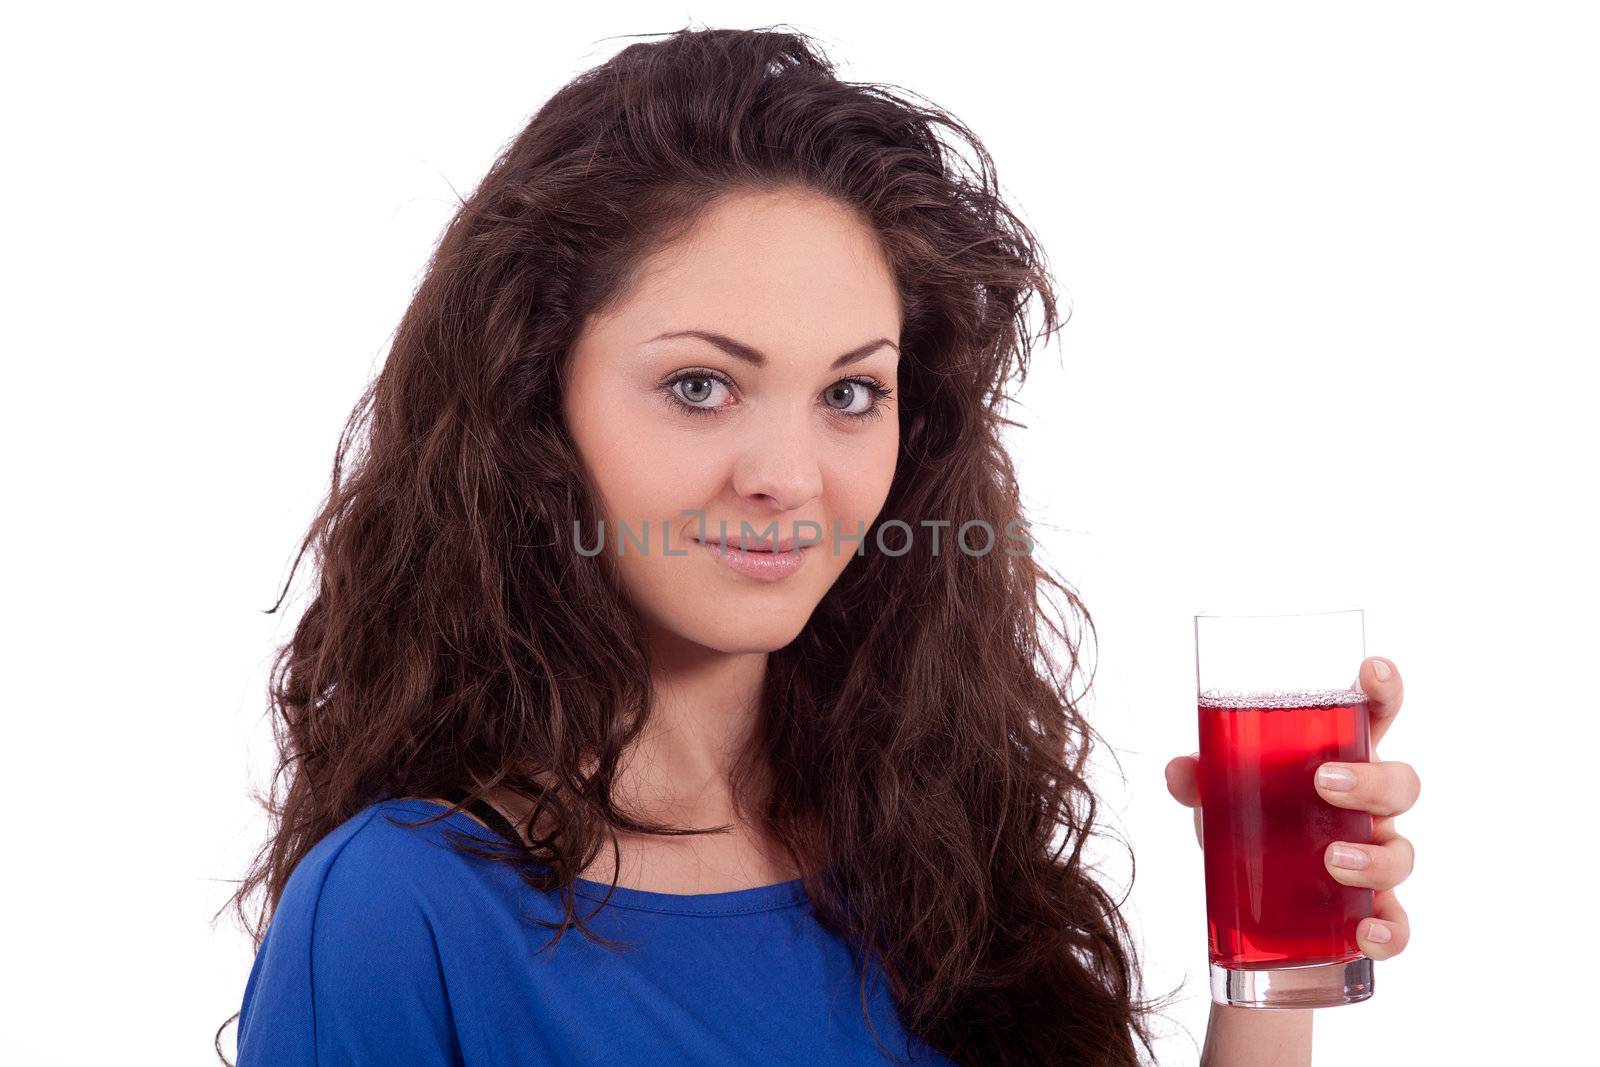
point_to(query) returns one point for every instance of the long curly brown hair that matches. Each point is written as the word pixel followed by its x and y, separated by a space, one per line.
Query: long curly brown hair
pixel 922 754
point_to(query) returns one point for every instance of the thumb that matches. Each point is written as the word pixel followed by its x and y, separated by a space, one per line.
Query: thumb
pixel 1183 782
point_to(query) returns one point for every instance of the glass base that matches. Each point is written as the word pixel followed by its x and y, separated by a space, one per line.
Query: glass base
pixel 1309 985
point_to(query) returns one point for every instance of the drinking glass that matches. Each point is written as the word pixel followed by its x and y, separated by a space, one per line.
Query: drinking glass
pixel 1276 700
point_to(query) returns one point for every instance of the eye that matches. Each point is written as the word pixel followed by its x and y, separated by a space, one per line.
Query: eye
pixel 697 388
pixel 856 397
pixel 696 392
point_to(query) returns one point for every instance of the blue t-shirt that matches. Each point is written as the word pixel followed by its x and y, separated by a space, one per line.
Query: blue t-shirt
pixel 390 949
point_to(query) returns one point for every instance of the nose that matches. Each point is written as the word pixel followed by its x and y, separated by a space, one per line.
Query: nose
pixel 780 464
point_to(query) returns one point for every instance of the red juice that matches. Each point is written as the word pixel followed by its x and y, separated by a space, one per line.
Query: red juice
pixel 1270 900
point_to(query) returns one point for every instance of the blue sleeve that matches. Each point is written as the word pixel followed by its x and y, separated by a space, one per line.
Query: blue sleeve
pixel 349 972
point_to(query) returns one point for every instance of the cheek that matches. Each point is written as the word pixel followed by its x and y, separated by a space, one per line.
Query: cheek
pixel 857 482
pixel 651 478
pixel 858 478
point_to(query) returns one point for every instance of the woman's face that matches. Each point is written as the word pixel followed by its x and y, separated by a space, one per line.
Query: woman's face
pixel 683 436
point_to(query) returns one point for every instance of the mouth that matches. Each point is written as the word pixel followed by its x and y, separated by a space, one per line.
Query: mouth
pixel 764 561
pixel 768 546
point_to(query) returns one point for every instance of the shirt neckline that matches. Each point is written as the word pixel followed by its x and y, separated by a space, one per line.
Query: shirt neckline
pixel 730 902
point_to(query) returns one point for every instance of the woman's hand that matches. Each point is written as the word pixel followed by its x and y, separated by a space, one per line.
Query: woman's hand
pixel 1384 789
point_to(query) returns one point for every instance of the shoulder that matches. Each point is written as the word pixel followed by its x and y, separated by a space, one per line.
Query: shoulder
pixel 351 954
pixel 389 837
pixel 381 854
pixel 382 876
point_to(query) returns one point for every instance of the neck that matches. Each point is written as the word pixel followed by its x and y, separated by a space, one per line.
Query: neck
pixel 705 711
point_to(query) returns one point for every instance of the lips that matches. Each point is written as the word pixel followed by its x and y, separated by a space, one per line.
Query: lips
pixel 765 564
pixel 756 544
pixel 768 546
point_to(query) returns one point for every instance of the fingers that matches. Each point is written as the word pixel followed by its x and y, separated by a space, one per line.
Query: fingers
pixel 1388 918
pixel 1183 780
pixel 1384 694
pixel 1383 788
pixel 1377 866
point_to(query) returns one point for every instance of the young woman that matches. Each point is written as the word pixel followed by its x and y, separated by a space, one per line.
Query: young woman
pixel 681 596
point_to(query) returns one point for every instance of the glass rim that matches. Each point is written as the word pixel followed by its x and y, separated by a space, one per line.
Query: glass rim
pixel 1276 614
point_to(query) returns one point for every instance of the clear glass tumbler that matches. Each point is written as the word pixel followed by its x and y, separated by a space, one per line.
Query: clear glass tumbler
pixel 1276 700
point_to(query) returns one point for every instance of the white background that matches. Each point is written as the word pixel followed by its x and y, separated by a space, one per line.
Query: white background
pixel 1333 276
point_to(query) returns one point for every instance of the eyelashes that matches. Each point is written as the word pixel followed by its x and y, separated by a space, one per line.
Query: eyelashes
pixel 876 391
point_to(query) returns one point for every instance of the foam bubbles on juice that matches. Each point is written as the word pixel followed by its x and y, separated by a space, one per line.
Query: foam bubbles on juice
pixel 1280 699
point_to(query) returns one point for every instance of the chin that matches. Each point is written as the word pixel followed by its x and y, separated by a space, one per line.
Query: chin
pixel 734 636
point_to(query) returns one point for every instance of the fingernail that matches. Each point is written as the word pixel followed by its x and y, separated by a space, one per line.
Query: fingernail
pixel 1378 932
pixel 1338 779
pixel 1351 859
pixel 1381 669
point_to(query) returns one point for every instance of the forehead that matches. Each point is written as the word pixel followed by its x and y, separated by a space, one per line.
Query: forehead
pixel 785 268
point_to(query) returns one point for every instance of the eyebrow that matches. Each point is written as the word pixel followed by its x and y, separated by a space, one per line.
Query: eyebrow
pixel 740 350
